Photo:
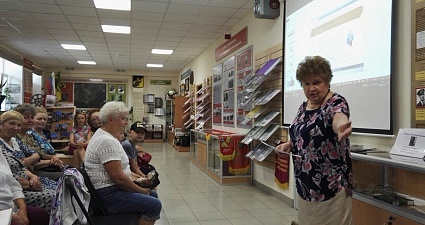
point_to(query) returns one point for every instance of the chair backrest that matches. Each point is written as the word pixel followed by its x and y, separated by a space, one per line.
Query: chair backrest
pixel 99 214
pixel 94 197
pixel 70 186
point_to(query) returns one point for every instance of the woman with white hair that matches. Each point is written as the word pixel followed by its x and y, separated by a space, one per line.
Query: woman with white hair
pixel 108 168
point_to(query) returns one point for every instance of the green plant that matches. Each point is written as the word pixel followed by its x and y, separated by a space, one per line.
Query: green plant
pixel 6 92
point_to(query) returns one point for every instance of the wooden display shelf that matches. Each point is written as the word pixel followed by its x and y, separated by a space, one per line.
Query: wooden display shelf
pixel 154 135
pixel 181 148
pixel 171 138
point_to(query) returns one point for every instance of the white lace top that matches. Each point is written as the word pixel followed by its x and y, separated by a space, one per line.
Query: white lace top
pixel 103 148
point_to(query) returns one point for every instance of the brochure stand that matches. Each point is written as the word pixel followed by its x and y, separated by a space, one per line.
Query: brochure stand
pixel 263 128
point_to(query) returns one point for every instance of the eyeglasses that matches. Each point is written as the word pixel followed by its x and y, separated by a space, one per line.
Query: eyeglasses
pixel 94 119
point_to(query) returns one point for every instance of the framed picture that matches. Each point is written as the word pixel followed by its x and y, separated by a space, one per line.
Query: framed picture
pixel 186 84
pixel 181 89
pixel 420 97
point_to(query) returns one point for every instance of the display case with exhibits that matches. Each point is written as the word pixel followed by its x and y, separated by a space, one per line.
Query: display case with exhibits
pixel 60 121
pixel 208 152
pixel 388 188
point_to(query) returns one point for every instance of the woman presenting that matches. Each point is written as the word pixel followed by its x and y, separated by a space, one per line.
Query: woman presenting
pixel 321 149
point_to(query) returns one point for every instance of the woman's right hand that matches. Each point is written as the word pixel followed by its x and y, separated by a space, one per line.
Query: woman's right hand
pixel 20 219
pixel 35 184
pixel 283 149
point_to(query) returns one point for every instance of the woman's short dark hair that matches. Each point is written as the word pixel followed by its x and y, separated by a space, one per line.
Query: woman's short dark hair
pixel 25 108
pixel 314 65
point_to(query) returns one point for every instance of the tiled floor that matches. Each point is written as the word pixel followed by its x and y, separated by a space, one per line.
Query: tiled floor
pixel 189 197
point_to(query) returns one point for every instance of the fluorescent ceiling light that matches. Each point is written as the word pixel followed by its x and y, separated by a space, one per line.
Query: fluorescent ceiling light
pixel 116 29
pixel 73 47
pixel 96 80
pixel 113 4
pixel 87 62
pixel 162 51
pixel 154 65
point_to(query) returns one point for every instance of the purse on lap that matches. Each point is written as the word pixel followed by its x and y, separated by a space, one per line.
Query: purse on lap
pixel 151 180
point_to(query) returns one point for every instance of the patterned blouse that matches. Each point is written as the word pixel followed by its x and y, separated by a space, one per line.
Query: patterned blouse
pixel 80 134
pixel 324 167
pixel 38 142
pixel 14 154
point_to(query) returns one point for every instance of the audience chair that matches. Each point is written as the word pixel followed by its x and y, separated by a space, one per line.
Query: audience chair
pixel 98 215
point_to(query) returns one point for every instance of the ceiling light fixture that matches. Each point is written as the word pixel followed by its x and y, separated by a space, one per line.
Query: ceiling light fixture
pixel 154 65
pixel 96 80
pixel 162 51
pixel 87 62
pixel 116 29
pixel 73 47
pixel 113 4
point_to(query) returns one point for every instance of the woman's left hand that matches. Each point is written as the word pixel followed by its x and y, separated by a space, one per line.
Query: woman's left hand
pixel 344 131
pixel 55 160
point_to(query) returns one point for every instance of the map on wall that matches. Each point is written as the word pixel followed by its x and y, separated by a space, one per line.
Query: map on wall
pixel 89 95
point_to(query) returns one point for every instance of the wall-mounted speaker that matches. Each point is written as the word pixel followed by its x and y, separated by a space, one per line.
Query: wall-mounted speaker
pixel 266 9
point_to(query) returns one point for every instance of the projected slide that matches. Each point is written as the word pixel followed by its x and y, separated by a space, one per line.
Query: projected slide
pixel 355 36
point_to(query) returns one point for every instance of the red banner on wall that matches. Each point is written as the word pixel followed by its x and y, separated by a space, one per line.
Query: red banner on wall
pixel 234 43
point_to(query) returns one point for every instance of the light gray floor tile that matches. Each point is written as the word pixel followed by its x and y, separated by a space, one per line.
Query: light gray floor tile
pixel 190 197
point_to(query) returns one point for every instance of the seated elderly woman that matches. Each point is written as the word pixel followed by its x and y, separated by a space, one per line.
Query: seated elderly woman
pixel 50 165
pixel 108 168
pixel 93 120
pixel 11 196
pixel 38 191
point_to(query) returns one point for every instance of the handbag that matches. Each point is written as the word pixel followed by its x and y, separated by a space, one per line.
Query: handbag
pixel 143 158
pixel 151 180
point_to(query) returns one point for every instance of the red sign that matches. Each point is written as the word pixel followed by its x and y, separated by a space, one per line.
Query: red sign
pixel 27 64
pixel 234 43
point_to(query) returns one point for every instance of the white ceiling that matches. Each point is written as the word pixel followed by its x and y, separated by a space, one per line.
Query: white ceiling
pixel 37 28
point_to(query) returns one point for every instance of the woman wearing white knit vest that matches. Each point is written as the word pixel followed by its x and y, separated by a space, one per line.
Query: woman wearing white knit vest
pixel 107 166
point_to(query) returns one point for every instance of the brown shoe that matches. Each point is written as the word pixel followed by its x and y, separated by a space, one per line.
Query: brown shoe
pixel 294 223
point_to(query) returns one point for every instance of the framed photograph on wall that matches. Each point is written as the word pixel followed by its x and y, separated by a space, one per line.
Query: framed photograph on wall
pixel 186 85
pixel 420 97
pixel 181 89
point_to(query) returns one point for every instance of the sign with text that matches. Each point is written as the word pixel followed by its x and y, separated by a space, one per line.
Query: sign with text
pixel 410 142
pixel 186 74
pixel 234 43
pixel 160 82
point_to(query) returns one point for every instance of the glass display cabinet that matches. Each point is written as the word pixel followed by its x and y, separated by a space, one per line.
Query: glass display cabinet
pixel 206 152
pixel 388 189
